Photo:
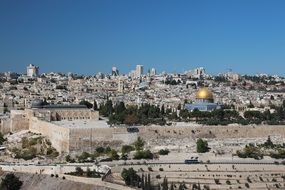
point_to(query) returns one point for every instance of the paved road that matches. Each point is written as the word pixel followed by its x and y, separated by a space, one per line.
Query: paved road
pixel 136 162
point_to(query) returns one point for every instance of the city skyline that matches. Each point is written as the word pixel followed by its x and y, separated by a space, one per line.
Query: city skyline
pixel 91 37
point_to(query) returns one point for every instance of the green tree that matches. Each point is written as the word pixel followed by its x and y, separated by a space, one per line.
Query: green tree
pixel 100 149
pixel 250 105
pixel 11 182
pixel 127 148
pixel 253 115
pixel 106 109
pixel 196 114
pixel 88 172
pixel 172 186
pixel 86 103
pixel 267 115
pixel 141 154
pixel 114 155
pixel 139 144
pixel 131 119
pixel 68 158
pixel 219 114
pixel 120 108
pixel 148 182
pixel 2 139
pixel 130 177
pixel 179 107
pixel 107 150
pixel 165 184
pixel 162 110
pixel 268 143
pixel 202 146
pixel 143 182
pixel 95 106
pixel 163 152
pixel 79 171
pixel 184 114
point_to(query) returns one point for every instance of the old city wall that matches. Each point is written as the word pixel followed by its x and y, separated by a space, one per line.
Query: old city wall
pixel 19 121
pixel 59 136
pixel 219 132
pixel 5 126
pixel 87 139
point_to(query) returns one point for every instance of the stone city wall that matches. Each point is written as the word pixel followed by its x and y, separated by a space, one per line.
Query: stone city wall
pixel 19 121
pixel 59 136
pixel 219 132
pixel 5 125
pixel 87 139
pixel 66 139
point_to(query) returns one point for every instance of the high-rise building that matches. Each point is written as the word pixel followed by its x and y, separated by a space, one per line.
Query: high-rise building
pixel 139 71
pixel 115 71
pixel 32 71
pixel 196 73
pixel 152 72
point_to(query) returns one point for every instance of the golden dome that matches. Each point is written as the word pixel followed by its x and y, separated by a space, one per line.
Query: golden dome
pixel 204 93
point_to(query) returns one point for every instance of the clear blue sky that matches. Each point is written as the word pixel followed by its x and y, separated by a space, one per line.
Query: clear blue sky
pixel 86 37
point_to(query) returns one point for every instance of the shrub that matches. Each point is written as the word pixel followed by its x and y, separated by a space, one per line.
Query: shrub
pixel 274 180
pixel 249 180
pixel 107 150
pixel 217 181
pixel 2 139
pixel 11 182
pixel 130 177
pixel 114 155
pixel 206 187
pixel 69 159
pixel 127 148
pixel 25 142
pixel 27 154
pixel 144 154
pixel 202 146
pixel 79 171
pixel 100 149
pixel 139 144
pixel 163 152
pixel 52 153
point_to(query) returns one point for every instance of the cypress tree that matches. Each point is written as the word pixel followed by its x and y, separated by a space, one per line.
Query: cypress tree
pixel 95 106
pixel 148 179
pixel 142 182
pixel 172 186
pixel 165 184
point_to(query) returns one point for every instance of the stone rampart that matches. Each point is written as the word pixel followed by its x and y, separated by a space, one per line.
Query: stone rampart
pixel 218 132
pixel 87 139
pixel 59 136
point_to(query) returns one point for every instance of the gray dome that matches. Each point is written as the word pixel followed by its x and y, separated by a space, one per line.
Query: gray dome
pixel 37 103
